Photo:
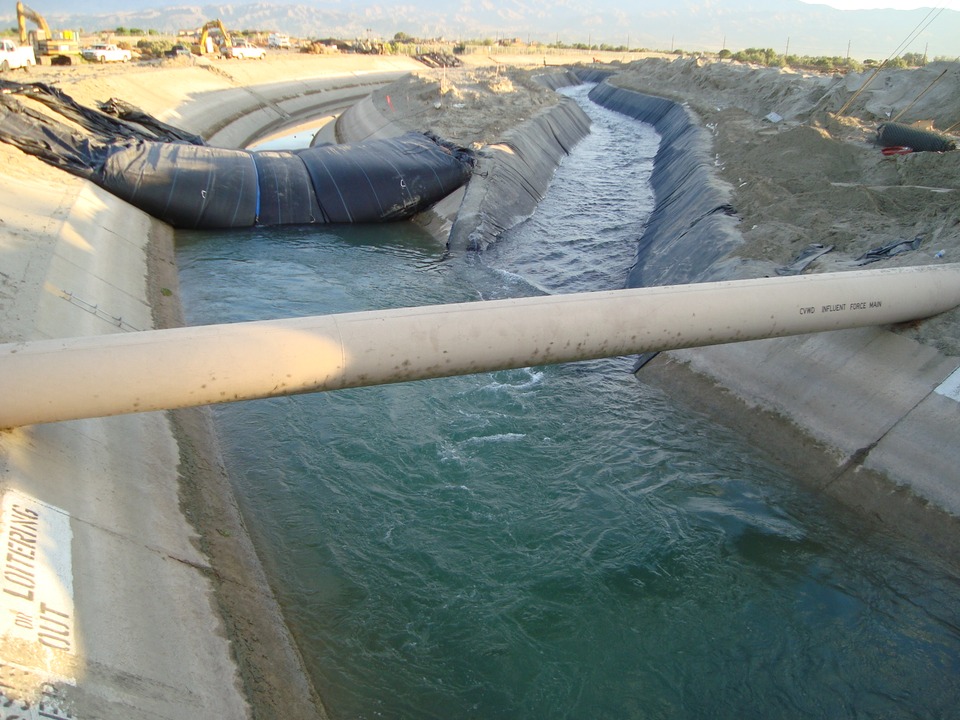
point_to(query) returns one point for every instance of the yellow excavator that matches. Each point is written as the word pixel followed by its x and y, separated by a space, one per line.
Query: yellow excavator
pixel 209 43
pixel 53 47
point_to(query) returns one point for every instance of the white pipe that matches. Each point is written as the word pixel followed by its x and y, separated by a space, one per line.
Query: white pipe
pixel 68 378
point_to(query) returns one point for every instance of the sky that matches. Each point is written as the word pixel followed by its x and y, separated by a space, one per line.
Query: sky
pixel 886 4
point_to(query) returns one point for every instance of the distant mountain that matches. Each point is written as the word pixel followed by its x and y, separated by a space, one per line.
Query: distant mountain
pixel 786 25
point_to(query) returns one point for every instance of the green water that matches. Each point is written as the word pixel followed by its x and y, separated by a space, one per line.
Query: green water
pixel 553 542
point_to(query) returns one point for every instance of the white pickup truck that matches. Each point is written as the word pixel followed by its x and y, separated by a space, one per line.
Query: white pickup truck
pixel 13 56
pixel 103 53
pixel 242 50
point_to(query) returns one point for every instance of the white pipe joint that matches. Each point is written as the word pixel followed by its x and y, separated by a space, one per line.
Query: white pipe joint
pixel 69 378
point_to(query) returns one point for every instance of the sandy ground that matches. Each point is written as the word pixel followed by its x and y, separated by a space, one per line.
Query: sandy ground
pixel 470 106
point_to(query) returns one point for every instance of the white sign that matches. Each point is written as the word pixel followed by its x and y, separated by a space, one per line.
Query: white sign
pixel 951 386
pixel 36 587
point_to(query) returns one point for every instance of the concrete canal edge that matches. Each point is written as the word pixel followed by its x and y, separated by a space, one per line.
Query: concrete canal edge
pixel 127 597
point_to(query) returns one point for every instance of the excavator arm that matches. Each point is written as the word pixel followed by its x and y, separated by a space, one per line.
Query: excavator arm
pixel 23 14
pixel 205 33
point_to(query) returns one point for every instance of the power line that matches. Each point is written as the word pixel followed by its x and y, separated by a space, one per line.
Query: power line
pixel 902 46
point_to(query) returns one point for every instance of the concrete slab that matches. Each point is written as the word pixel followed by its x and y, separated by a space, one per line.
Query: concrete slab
pixel 846 388
pixel 275 107
pixel 921 449
pixel 128 626
pixel 32 212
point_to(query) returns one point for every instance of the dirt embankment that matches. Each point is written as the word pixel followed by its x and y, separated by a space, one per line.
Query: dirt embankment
pixel 469 106
pixel 817 176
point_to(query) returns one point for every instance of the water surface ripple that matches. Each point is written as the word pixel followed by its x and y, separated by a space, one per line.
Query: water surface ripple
pixel 551 542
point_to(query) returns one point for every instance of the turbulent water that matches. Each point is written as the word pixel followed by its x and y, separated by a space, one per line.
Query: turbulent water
pixel 552 542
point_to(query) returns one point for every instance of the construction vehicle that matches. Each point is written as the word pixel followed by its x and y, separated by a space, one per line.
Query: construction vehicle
pixel 13 56
pixel 52 47
pixel 209 43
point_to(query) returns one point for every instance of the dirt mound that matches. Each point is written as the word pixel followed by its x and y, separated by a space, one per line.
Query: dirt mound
pixel 469 106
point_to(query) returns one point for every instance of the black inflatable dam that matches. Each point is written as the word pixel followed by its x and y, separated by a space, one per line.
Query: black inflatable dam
pixel 193 186
pixel 176 178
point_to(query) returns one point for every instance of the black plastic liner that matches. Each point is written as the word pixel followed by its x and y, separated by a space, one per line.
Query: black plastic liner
pixel 693 224
pixel 893 134
pixel 55 143
pixel 193 186
pixel 286 190
pixel 188 186
pixel 173 176
pixel 383 179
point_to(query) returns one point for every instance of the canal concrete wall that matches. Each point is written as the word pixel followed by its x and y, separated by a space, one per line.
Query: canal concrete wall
pixel 117 576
